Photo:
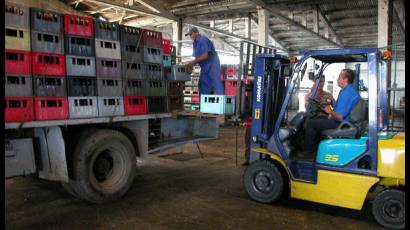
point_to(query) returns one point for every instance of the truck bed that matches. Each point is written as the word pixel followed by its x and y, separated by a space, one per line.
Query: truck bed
pixel 79 121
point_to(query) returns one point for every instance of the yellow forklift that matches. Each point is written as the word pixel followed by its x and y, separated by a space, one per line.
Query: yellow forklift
pixel 358 161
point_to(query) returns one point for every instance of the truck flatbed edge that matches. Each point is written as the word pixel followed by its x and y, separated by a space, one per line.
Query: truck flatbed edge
pixel 80 121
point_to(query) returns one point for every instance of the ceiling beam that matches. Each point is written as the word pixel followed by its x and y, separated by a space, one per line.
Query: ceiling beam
pixel 276 13
pixel 327 23
pixel 131 9
pixel 192 21
pixel 100 10
pixel 226 8
pixel 273 37
pixel 158 8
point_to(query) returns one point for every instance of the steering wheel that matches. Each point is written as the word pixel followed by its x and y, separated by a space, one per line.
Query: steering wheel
pixel 314 108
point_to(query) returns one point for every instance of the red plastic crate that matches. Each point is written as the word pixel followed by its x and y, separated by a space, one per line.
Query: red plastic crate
pixel 247 81
pixel 152 38
pixel 17 62
pixel 48 63
pixel 230 72
pixel 78 25
pixel 231 87
pixel 195 99
pixel 50 108
pixel 19 109
pixel 135 105
pixel 166 46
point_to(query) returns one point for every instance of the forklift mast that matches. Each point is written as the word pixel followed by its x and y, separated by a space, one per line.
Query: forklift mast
pixel 269 90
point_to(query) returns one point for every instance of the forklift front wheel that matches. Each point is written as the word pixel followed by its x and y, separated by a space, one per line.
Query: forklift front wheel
pixel 263 181
pixel 389 208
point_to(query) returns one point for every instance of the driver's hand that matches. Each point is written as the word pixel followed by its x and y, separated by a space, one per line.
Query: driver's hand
pixel 328 109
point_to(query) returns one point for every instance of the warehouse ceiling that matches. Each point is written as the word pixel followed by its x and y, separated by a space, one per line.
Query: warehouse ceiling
pixel 347 23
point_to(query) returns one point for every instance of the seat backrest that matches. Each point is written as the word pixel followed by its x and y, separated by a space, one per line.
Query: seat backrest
pixel 358 116
pixel 298 120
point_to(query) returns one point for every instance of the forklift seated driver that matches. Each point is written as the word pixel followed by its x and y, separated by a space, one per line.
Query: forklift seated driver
pixel 323 97
pixel 346 101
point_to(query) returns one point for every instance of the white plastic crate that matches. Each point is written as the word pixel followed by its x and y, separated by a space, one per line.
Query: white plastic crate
pixel 217 104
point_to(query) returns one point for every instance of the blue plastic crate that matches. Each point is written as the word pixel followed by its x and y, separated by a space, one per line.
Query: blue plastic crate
pixel 166 60
pixel 217 104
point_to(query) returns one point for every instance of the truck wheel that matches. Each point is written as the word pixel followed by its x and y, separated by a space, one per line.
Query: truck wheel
pixel 263 181
pixel 69 189
pixel 389 208
pixel 104 164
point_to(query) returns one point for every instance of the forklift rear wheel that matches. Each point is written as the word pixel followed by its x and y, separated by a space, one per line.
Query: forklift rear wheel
pixel 389 208
pixel 263 181
pixel 104 164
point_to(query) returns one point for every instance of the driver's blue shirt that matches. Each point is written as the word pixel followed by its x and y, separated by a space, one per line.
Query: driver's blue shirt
pixel 347 99
pixel 210 68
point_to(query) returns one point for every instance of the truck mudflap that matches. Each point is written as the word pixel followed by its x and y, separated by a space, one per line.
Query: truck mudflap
pixel 53 164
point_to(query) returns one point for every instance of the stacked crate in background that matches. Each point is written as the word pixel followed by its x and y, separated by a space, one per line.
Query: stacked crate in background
pixel 80 60
pixel 48 65
pixel 135 101
pixel 153 71
pixel 191 90
pixel 109 69
pixel 175 76
pixel 18 80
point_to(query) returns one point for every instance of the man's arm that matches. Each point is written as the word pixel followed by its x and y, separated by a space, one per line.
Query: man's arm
pixel 332 113
pixel 201 58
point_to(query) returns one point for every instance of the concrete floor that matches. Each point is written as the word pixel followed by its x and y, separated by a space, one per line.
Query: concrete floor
pixel 181 191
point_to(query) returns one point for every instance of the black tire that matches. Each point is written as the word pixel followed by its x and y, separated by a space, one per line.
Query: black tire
pixel 263 181
pixel 104 163
pixel 388 208
pixel 69 189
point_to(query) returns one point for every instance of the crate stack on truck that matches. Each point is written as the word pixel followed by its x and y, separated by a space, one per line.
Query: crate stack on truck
pixel 65 66
pixel 19 102
pixel 81 66
pixel 48 65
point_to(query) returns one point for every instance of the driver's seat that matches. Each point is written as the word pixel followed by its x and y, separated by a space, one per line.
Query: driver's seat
pixel 353 129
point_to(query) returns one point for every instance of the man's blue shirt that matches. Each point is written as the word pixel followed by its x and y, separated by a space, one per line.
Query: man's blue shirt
pixel 201 45
pixel 348 98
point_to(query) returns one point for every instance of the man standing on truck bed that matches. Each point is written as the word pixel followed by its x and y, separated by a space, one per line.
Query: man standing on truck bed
pixel 206 56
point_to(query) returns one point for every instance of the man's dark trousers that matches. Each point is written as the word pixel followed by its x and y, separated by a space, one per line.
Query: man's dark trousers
pixel 313 128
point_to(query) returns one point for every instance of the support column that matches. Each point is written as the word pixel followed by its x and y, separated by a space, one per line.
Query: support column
pixel 384 36
pixel 248 28
pixel 263 26
pixel 230 26
pixel 315 20
pixel 326 31
pixel 304 19
pixel 384 23
pixel 212 25
pixel 177 36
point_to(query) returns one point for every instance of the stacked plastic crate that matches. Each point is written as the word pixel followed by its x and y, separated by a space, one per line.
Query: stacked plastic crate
pixel 109 70
pixel 48 65
pixel 191 91
pixel 175 85
pixel 135 101
pixel 80 61
pixel 18 81
pixel 153 71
